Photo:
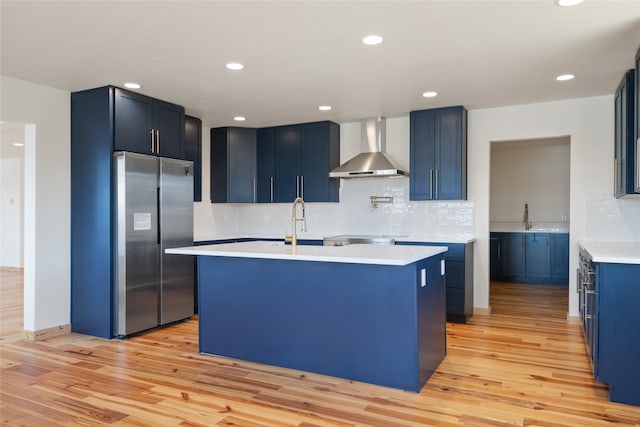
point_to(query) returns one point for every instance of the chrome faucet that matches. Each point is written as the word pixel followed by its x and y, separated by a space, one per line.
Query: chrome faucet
pixel 293 238
pixel 527 223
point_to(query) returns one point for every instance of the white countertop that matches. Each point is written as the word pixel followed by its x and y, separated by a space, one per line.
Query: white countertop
pixel 310 236
pixel 536 227
pixel 613 252
pixel 353 254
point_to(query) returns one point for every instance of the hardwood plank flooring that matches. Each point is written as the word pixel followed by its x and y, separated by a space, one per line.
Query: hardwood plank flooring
pixel 499 371
pixel 548 302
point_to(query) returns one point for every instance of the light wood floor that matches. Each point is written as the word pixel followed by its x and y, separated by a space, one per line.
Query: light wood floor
pixel 547 302
pixel 499 371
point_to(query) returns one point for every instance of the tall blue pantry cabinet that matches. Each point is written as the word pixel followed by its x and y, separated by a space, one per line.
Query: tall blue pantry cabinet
pixel 104 120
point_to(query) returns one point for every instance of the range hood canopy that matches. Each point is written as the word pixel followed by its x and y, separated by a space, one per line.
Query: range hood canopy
pixel 372 161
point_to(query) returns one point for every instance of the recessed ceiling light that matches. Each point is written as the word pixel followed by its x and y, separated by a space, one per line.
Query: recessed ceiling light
pixel 565 77
pixel 239 118
pixel 430 94
pixel 18 144
pixel 565 3
pixel 235 66
pixel 372 40
pixel 324 107
pixel 132 85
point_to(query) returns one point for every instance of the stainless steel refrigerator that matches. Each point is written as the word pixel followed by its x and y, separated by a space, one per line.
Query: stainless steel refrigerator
pixel 154 211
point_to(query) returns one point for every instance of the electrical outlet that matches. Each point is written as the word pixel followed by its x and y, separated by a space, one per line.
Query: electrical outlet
pixel 423 277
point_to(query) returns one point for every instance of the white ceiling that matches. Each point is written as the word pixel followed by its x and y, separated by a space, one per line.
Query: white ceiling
pixel 302 54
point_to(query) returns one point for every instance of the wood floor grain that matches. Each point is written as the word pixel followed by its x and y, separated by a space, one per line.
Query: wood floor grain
pixel 499 371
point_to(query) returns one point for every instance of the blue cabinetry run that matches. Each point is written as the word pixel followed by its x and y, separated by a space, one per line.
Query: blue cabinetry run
pixel 438 154
pixel 458 279
pixel 537 258
pixel 233 165
pixel 295 160
pixel 609 295
pixel 636 120
pixel 624 137
pixel 103 120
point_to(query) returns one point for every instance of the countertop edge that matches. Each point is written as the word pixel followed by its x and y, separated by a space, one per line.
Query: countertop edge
pixel 612 252
pixel 261 251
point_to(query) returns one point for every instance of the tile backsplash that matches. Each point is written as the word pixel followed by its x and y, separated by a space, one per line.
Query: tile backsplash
pixel 353 215
pixel 609 219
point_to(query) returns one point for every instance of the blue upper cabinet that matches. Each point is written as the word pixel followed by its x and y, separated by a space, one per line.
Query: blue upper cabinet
pixel 636 119
pixel 438 154
pixel 148 126
pixel 233 165
pixel 295 160
pixel 320 154
pixel 624 137
pixel 266 165
pixel 193 152
pixel 288 167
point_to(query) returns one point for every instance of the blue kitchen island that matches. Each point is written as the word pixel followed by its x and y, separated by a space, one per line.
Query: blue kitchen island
pixel 362 312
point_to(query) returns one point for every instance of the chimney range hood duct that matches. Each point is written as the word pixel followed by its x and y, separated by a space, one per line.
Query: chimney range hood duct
pixel 372 161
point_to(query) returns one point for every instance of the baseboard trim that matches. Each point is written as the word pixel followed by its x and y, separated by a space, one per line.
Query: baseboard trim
pixel 44 334
pixel 482 311
pixel 575 320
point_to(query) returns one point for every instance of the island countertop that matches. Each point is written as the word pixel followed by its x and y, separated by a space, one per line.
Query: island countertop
pixel 353 254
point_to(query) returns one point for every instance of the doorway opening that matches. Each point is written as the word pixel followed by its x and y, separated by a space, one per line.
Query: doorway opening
pixel 12 214
pixel 529 227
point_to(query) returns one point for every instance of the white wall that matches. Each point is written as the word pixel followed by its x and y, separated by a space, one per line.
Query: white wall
pixel 11 212
pixel 46 198
pixel 535 173
pixel 589 124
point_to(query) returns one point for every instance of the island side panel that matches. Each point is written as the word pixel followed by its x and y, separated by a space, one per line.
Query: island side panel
pixel 432 317
pixel 355 321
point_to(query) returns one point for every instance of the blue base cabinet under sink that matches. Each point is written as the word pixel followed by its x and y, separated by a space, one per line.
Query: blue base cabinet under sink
pixel 532 257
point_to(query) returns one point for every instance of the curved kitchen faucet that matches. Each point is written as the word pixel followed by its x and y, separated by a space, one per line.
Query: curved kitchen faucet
pixel 293 238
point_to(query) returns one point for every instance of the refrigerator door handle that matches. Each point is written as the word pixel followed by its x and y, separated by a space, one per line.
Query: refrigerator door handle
pixel 159 237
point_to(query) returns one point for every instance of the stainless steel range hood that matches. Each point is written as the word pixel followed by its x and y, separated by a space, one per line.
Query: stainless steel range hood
pixel 372 161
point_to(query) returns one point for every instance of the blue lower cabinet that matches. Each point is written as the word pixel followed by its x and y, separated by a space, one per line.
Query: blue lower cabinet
pixel 459 279
pixel 364 322
pixel 618 325
pixel 536 258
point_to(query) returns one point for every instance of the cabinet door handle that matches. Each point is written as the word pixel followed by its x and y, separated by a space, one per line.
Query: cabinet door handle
pixel 437 192
pixel 499 251
pixel 153 144
pixel 254 191
pixel 431 183
pixel 157 141
pixel 271 189
pixel 302 186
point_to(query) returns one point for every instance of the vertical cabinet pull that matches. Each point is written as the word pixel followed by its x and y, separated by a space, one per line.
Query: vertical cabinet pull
pixel 153 143
pixel 431 183
pixel 255 198
pixel 271 189
pixel 437 192
pixel 157 141
pixel 302 186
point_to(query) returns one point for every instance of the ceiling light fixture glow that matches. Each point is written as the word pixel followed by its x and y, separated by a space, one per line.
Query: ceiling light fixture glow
pixel 239 118
pixel 430 94
pixel 372 40
pixel 566 3
pixel 565 77
pixel 235 66
pixel 18 144
pixel 132 85
pixel 324 107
